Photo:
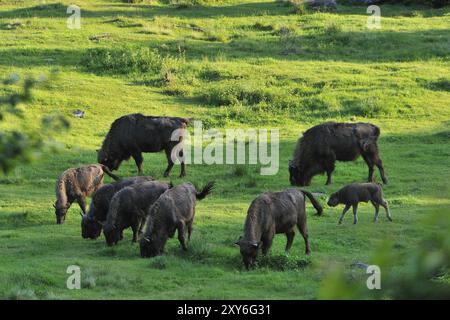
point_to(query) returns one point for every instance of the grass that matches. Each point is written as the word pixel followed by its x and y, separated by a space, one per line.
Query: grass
pixel 230 64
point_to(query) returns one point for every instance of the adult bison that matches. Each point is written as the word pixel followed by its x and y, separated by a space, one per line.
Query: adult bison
pixel 133 134
pixel 319 148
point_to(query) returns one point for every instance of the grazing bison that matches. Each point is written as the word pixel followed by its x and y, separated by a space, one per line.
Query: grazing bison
pixel 320 147
pixel 272 213
pixel 133 134
pixel 128 208
pixel 352 194
pixel 91 223
pixel 174 210
pixel 76 184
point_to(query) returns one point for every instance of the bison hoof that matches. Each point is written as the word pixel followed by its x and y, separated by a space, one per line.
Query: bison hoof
pixel 385 181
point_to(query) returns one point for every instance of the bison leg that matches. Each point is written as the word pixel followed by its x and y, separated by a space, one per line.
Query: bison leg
pixel 370 164
pixel 138 160
pixel 290 239
pixel 355 213
pixel 302 227
pixel 384 204
pixel 267 243
pixel 181 235
pixel 377 209
pixel 183 170
pixel 135 229
pixel 82 203
pixel 169 162
pixel 380 167
pixel 329 166
pixel 347 206
pixel 189 230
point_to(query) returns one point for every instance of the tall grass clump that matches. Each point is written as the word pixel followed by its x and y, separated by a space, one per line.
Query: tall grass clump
pixel 123 61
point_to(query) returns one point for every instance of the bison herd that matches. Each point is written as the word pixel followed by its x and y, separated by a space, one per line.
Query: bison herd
pixel 155 210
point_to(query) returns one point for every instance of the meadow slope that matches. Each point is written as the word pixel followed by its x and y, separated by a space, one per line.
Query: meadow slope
pixel 233 64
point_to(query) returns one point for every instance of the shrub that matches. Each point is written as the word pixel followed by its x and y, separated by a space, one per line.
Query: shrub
pixel 431 3
pixel 123 61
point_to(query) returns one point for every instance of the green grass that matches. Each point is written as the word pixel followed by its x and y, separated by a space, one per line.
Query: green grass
pixel 230 64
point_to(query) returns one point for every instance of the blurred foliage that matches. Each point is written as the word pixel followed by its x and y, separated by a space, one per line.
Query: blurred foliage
pixel 19 145
pixel 424 275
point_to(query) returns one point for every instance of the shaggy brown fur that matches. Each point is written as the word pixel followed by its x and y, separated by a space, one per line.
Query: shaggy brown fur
pixel 91 226
pixel 319 148
pixel 128 208
pixel 352 194
pixel 272 213
pixel 133 134
pixel 76 184
pixel 174 210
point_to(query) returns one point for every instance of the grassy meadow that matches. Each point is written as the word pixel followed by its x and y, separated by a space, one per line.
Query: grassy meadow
pixel 230 64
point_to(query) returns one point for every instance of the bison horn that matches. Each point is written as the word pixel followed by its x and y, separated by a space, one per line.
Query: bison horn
pixel 82 214
pixel 255 244
pixel 146 239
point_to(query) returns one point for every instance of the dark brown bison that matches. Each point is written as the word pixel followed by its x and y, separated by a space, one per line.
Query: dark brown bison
pixel 91 223
pixel 133 134
pixel 352 194
pixel 174 210
pixel 272 213
pixel 319 148
pixel 76 184
pixel 128 208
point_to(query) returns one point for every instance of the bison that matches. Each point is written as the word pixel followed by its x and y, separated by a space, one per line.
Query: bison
pixel 319 148
pixel 76 184
pixel 128 208
pixel 272 213
pixel 91 223
pixel 174 210
pixel 133 134
pixel 352 194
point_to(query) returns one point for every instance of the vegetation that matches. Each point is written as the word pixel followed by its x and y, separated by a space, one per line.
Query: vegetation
pixel 231 64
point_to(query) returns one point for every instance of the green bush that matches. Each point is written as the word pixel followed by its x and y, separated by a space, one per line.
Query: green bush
pixel 432 3
pixel 123 61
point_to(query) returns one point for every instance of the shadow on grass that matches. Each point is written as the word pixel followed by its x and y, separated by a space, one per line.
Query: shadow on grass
pixel 210 11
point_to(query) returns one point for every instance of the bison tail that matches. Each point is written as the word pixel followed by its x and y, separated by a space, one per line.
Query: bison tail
pixel 314 201
pixel 109 173
pixel 205 191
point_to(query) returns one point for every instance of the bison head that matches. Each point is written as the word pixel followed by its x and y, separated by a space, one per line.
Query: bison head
pixel 112 235
pixel 249 251
pixel 90 228
pixel 109 160
pixel 334 200
pixel 297 176
pixel 60 212
pixel 149 247
pixel 369 145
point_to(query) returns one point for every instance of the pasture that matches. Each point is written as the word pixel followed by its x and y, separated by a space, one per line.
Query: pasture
pixel 230 64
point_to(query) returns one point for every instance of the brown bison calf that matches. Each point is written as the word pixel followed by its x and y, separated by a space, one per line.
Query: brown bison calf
pixel 174 210
pixel 354 193
pixel 272 213
pixel 91 223
pixel 128 208
pixel 76 184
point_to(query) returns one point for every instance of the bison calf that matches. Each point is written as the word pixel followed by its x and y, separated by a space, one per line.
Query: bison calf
pixel 91 223
pixel 128 208
pixel 76 184
pixel 272 213
pixel 354 193
pixel 174 210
